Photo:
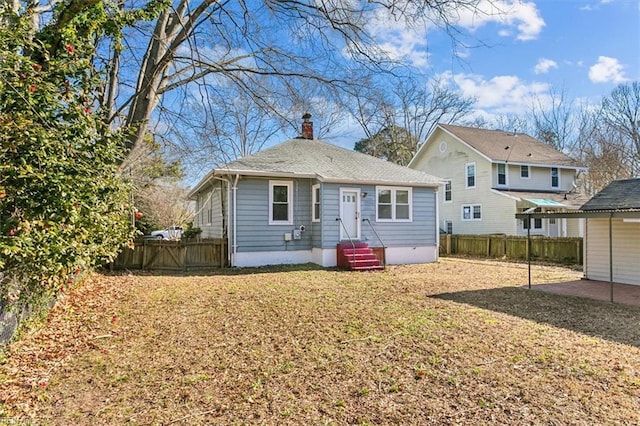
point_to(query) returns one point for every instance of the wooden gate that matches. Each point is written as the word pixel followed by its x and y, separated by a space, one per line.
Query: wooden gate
pixel 174 255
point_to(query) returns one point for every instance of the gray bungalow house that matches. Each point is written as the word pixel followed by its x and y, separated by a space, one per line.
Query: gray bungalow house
pixel 306 200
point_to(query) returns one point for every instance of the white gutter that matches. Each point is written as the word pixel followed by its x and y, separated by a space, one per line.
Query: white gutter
pixel 235 217
pixel 228 203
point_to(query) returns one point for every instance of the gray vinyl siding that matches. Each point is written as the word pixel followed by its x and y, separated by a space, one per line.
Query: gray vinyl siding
pixel 330 210
pixel 212 199
pixel 253 228
pixel 419 232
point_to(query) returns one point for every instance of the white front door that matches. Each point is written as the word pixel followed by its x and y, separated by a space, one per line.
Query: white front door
pixel 553 228
pixel 350 214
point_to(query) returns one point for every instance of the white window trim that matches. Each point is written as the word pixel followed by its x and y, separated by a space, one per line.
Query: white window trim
pixel 444 191
pixel 551 177
pixel 506 175
pixel 289 185
pixel 466 175
pixel 393 190
pixel 313 203
pixel 528 176
pixel 472 218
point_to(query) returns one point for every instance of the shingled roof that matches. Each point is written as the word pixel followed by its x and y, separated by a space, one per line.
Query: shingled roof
pixel 618 195
pixel 326 162
pixel 501 146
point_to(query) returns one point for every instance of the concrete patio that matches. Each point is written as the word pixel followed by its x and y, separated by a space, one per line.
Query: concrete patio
pixel 625 294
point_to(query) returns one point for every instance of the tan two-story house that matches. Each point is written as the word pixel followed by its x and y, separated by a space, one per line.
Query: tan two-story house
pixel 490 175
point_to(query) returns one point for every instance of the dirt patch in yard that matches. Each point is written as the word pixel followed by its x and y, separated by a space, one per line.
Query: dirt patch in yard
pixel 457 342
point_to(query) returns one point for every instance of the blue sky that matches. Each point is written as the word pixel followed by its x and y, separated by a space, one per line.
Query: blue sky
pixel 516 52
pixel 582 47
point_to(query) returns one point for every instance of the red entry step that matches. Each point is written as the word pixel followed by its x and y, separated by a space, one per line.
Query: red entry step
pixel 357 257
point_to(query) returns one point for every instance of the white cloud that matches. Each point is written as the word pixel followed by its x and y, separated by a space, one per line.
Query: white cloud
pixel 544 65
pixel 524 16
pixel 504 94
pixel 398 40
pixel 607 70
pixel 408 41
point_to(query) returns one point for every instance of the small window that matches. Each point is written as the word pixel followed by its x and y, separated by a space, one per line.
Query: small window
pixel 385 208
pixel 555 178
pixel 502 174
pixel 448 226
pixel 447 191
pixel 471 212
pixel 537 222
pixel 402 204
pixel 470 170
pixel 393 204
pixel 524 172
pixel 280 211
pixel 315 203
pixel 209 216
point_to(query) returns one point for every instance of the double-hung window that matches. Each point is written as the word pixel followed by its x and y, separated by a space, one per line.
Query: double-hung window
pixel 502 174
pixel 470 174
pixel 524 172
pixel 280 202
pixel 537 222
pixel 555 178
pixel 471 212
pixel 393 204
pixel 315 203
pixel 447 191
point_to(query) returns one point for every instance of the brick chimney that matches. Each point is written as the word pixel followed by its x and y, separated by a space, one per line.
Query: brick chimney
pixel 307 127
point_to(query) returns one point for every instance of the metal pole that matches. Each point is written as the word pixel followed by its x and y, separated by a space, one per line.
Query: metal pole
pixel 611 257
pixel 529 248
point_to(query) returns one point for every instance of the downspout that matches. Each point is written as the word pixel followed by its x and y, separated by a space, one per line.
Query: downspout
pixel 235 217
pixel 611 256
pixel 437 227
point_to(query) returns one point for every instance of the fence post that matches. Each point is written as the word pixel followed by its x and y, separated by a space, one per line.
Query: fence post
pixel 579 251
pixel 144 254
pixel 448 244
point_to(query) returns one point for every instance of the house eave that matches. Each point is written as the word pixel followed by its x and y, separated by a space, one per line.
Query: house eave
pixel 260 173
pixel 559 166
pixel 382 182
pixel 582 214
pixel 265 174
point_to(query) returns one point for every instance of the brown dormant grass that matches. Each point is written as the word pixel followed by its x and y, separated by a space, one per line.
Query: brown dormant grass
pixel 457 342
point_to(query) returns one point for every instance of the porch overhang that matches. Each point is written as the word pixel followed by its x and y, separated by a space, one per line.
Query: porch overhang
pixel 625 214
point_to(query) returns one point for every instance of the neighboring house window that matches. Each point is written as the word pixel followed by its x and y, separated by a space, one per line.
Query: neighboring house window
pixel 537 222
pixel 209 216
pixel 524 172
pixel 393 204
pixel 555 179
pixel 470 173
pixel 472 212
pixel 448 225
pixel 280 203
pixel 502 174
pixel 447 191
pixel 315 202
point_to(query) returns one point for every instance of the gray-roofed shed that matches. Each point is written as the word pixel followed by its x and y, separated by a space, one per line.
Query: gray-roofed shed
pixel 618 195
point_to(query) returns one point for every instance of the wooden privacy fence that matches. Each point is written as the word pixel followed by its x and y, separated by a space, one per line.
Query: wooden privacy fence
pixel 181 255
pixel 553 249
